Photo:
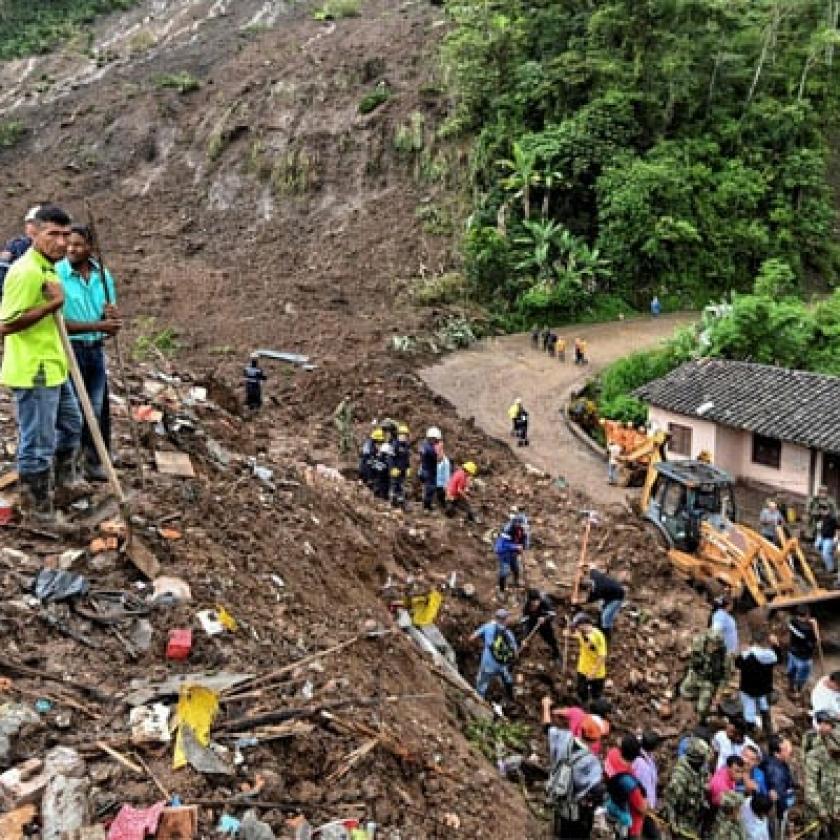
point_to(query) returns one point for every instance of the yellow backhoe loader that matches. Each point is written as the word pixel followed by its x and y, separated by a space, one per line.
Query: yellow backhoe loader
pixel 691 506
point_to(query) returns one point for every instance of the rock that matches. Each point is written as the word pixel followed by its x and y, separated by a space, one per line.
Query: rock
pixel 13 716
pixel 23 784
pixel 65 803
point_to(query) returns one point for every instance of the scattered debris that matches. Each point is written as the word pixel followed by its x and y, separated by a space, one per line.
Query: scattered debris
pixel 59 585
pixel 150 724
pixel 134 824
pixel 174 463
pixel 180 643
pixel 197 707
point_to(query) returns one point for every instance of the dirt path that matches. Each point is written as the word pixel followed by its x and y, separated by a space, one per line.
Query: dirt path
pixel 482 383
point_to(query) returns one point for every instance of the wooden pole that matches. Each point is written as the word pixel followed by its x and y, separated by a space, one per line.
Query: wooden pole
pixel 90 416
pixel 576 588
pixel 132 424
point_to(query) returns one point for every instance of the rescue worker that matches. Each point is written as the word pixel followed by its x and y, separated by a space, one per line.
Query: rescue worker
pixel 544 338
pixel 552 343
pixel 561 348
pixel 708 671
pixel 380 471
pixel 611 594
pixel 824 724
pixel 818 508
pixel 519 422
pixel 580 351
pixel 399 466
pixel 429 465
pixel 592 658
pixel 684 798
pixel 822 786
pixel 535 337
pixel 727 823
pixel 369 450
pixel 254 377
pixel 507 550
pixel 538 614
pixel 458 491
pixel 343 419
pixel 15 248
pixel 423 603
pixel 498 653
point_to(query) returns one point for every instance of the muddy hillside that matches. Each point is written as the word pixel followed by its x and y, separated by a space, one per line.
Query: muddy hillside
pixel 245 201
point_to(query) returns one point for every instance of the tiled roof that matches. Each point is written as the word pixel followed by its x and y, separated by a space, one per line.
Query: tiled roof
pixel 791 405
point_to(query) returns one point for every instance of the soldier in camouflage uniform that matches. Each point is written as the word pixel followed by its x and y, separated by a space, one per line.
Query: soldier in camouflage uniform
pixel 819 507
pixel 727 824
pixel 343 417
pixel 685 795
pixel 822 784
pixel 708 670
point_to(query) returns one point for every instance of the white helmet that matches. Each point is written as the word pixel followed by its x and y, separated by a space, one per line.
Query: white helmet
pixel 433 433
pixel 386 449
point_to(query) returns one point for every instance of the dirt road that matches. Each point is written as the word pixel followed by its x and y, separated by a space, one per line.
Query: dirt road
pixel 482 383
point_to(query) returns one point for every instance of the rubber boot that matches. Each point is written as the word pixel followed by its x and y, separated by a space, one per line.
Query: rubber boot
pixel 69 485
pixel 36 498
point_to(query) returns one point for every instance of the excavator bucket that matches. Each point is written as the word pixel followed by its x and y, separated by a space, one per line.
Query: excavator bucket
pixel 735 556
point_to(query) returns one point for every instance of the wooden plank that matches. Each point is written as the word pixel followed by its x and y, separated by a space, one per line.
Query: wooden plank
pixel 8 479
pixel 174 463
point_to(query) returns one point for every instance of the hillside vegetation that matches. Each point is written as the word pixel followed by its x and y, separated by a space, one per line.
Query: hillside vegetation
pixel 624 149
pixel 27 28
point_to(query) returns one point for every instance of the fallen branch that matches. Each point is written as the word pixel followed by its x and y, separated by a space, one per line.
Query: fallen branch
pixel 351 761
pixel 154 778
pixel 119 757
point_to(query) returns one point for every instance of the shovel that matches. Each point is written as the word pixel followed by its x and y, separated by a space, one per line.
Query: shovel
pixel 137 552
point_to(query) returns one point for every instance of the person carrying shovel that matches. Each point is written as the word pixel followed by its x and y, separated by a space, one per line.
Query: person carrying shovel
pixel 538 614
pixel 35 367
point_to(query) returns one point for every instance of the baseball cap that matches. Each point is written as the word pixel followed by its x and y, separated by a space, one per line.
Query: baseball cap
pixel 502 614
pixel 31 213
pixel 825 716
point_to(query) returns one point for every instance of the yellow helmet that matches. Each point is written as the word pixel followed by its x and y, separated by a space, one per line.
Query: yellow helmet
pixel 471 468
pixel 403 429
pixel 377 435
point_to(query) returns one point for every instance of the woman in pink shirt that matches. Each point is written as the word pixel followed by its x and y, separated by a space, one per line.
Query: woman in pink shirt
pixel 725 779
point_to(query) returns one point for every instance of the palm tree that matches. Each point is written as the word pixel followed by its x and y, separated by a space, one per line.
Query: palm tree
pixel 523 175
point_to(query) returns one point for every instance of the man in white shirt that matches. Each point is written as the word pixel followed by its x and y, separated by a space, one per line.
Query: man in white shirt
pixel 825 696
pixel 731 741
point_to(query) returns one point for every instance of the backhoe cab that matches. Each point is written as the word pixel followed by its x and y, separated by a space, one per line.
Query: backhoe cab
pixel 691 504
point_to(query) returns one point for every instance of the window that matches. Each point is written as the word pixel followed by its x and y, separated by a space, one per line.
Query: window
pixel 767 451
pixel 680 442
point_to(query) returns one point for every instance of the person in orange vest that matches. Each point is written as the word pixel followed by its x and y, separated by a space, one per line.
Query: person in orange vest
pixel 458 491
pixel 561 348
pixel 580 351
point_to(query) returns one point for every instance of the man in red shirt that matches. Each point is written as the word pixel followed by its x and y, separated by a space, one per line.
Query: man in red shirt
pixel 458 491
pixel 724 779
pixel 627 797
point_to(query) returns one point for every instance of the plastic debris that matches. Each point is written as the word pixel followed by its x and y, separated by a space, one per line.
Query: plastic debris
pixel 228 825
pixel 134 824
pixel 58 585
pixel 172 588
pixel 144 692
pixel 210 624
pixel 254 829
pixel 197 707
pixel 180 643
pixel 69 558
pixel 178 822
pixel 227 620
pixel 43 706
pixel 150 724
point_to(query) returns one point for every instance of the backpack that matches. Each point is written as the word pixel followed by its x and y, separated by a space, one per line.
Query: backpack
pixel 575 773
pixel 619 788
pixel 501 649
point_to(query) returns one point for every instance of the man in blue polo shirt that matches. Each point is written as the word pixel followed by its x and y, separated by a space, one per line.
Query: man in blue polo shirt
pixel 15 248
pixel 90 316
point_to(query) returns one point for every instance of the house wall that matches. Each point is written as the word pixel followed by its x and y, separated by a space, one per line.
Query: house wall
pixel 732 451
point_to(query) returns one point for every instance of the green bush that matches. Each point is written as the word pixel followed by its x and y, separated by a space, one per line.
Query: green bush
pixel 374 98
pixel 182 81
pixel 337 9
pixel 11 132
pixel 27 28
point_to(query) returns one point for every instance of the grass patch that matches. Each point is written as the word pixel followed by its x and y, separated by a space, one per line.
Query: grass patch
pixel 293 173
pixel 153 341
pixel 494 738
pixel 11 132
pixel 182 81
pixel 436 220
pixel 374 98
pixel 451 287
pixel 27 28
pixel 337 9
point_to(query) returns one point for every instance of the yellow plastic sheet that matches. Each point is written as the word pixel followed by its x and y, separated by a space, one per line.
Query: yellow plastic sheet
pixel 197 708
pixel 226 619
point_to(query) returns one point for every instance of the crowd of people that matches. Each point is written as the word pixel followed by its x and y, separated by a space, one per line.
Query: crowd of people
pixel 555 345
pixel 51 282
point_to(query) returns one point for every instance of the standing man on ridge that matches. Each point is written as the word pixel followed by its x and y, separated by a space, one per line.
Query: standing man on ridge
pixel 35 366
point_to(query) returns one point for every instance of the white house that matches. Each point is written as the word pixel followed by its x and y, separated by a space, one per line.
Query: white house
pixel 760 423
